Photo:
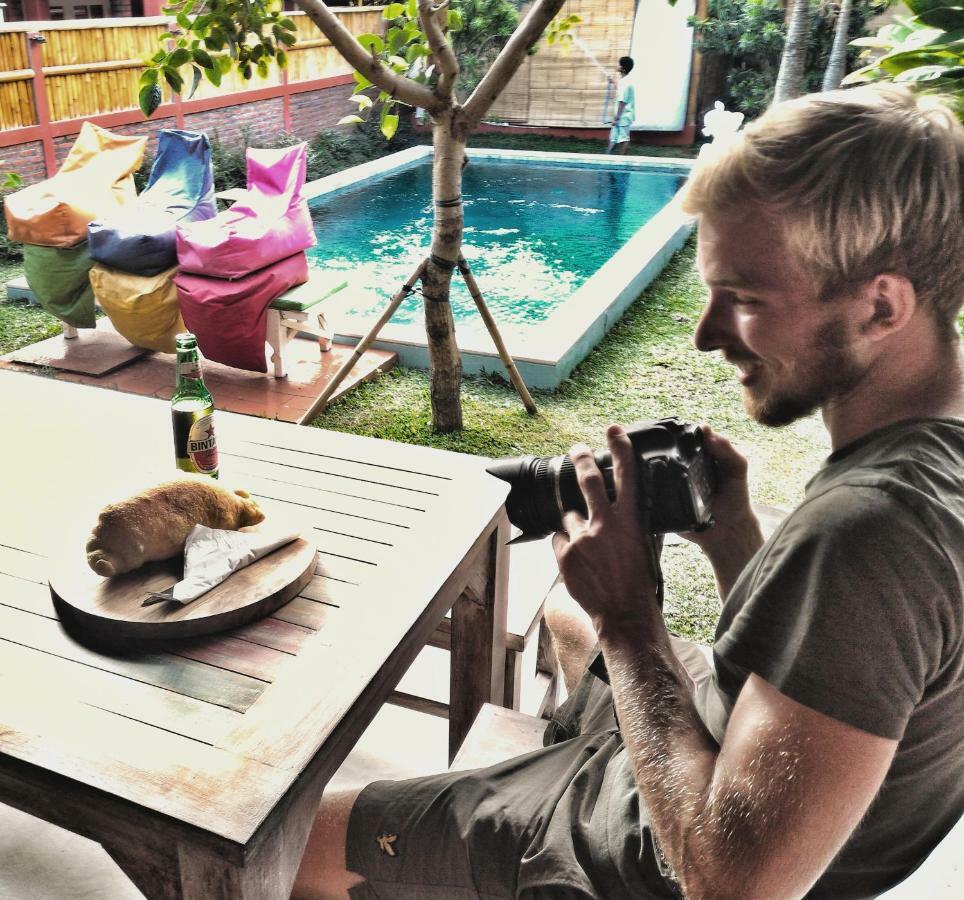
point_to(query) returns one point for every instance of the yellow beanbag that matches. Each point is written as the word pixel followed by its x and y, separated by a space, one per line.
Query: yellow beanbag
pixel 95 180
pixel 143 308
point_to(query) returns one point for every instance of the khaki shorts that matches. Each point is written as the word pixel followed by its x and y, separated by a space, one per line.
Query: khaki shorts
pixel 561 822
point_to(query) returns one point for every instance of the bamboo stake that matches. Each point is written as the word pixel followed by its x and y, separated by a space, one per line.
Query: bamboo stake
pixel 363 345
pixel 493 329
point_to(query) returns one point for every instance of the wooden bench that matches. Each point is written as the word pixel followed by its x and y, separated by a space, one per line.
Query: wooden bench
pixel 293 311
pixel 499 734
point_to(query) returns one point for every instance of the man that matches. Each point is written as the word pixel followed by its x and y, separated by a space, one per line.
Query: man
pixel 823 756
pixel 625 108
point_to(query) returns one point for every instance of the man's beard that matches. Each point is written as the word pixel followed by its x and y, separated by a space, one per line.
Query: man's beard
pixel 830 372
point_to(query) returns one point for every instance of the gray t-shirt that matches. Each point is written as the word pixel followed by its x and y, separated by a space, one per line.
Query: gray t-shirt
pixel 854 608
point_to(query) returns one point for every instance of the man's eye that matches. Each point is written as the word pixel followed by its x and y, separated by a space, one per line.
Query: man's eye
pixel 743 302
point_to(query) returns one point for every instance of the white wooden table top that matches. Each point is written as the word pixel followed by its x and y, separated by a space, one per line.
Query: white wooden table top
pixel 208 735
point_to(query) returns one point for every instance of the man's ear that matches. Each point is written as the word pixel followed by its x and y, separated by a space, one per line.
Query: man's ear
pixel 888 302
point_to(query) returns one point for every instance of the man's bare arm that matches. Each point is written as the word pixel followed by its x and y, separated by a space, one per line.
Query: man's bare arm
pixel 763 814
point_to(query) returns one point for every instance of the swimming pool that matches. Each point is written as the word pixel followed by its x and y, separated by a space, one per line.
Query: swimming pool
pixel 560 244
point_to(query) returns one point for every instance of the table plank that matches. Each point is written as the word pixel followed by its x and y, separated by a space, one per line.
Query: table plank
pixel 193 679
pixel 146 703
pixel 183 778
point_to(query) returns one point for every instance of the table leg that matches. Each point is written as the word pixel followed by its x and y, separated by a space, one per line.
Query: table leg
pixel 477 673
pixel 188 871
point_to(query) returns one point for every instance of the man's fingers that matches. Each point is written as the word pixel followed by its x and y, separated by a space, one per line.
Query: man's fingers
pixel 590 480
pixel 729 460
pixel 625 470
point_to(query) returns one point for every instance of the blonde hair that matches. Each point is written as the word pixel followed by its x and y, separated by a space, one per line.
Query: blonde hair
pixel 867 180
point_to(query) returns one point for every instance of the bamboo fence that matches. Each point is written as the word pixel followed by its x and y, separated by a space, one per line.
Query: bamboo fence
pixel 564 85
pixel 91 67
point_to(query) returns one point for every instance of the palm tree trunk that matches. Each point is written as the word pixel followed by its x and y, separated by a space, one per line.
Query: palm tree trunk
pixel 445 380
pixel 790 76
pixel 837 62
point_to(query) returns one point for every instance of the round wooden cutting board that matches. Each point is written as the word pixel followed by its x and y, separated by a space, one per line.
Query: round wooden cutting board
pixel 109 610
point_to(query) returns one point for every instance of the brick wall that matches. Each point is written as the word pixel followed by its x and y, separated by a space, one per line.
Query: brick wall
pixel 27 160
pixel 316 111
pixel 262 122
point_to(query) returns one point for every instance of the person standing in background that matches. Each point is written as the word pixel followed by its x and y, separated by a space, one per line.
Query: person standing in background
pixel 625 108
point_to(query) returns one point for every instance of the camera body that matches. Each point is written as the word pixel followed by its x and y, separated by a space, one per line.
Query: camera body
pixel 676 482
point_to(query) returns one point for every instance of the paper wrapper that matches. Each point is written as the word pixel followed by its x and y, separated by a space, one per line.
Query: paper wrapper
pixel 212 554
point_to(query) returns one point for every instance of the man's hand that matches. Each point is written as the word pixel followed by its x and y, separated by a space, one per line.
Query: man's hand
pixel 606 560
pixel 735 533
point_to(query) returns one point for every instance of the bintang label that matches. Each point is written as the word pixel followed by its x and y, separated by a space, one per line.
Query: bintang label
pixel 202 446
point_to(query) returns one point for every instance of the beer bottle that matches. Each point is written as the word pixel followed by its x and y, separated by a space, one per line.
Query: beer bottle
pixel 192 411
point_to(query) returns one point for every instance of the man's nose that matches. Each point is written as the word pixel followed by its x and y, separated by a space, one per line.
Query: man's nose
pixel 713 326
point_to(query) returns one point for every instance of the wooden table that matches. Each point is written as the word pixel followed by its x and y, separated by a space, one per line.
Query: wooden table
pixel 199 765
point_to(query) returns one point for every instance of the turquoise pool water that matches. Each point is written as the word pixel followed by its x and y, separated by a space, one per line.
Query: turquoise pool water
pixel 534 232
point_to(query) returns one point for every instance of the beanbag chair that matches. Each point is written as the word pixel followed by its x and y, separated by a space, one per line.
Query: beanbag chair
pixel 270 222
pixel 229 317
pixel 95 180
pixel 140 237
pixel 60 280
pixel 143 308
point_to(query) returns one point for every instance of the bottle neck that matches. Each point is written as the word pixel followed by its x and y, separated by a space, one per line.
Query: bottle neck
pixel 189 380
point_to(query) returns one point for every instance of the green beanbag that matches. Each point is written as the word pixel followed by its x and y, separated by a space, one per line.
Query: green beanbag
pixel 60 280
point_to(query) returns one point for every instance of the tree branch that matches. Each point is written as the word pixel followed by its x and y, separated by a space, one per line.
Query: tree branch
pixel 448 66
pixel 398 86
pixel 509 60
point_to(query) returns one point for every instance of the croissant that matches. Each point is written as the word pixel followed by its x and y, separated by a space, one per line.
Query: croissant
pixel 155 523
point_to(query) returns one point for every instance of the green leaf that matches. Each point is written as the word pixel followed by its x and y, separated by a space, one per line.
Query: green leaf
pixel 393 10
pixel 159 57
pixel 184 21
pixel 173 79
pixel 454 22
pixel 921 73
pixel 389 126
pixel 263 69
pixel 363 100
pixel 361 82
pixel 224 64
pixel 195 80
pixel 11 181
pixel 948 18
pixel 149 99
pixel 414 51
pixel 148 77
pixel 350 120
pixel 214 75
pixel 282 59
pixel 373 43
pixel 395 40
pixel 412 10
pixel 179 57
pixel 396 62
pixel 202 58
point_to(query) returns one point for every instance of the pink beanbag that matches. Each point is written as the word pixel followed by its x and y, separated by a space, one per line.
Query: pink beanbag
pixel 230 317
pixel 268 223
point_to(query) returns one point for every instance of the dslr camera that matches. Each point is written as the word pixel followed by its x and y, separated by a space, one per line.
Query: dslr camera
pixel 675 480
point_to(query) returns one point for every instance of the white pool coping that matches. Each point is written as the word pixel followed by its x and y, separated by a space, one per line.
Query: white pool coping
pixel 547 352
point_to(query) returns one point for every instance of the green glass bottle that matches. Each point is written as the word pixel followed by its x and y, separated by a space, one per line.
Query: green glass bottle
pixel 192 412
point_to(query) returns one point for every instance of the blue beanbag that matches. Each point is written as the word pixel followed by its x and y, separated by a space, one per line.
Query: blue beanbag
pixel 140 239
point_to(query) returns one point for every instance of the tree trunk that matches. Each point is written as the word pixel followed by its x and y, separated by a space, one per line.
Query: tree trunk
pixel 445 378
pixel 790 77
pixel 837 61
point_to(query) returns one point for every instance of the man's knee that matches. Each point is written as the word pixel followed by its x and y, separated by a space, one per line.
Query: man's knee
pixel 322 874
pixel 573 636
